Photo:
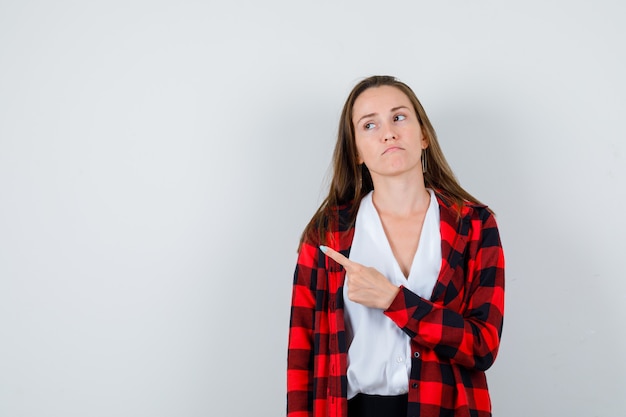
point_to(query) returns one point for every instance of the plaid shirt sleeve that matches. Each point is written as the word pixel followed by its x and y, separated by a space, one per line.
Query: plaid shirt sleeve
pixel 300 344
pixel 316 352
pixel 463 322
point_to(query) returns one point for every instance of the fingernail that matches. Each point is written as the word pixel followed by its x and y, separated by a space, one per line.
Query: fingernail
pixel 323 248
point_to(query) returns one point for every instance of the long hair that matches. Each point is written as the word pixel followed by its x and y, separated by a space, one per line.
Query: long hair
pixel 352 181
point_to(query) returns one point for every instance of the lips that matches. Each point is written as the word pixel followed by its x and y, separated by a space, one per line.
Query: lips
pixel 392 149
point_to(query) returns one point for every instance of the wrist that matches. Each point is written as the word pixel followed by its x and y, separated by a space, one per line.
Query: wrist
pixel 393 293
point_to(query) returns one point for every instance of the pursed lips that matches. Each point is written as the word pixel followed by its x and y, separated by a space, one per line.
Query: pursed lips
pixel 392 149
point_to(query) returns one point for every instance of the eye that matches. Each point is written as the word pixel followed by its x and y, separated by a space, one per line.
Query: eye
pixel 399 118
pixel 368 126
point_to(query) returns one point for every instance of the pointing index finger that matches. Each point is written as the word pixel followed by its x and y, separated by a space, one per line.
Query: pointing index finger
pixel 338 257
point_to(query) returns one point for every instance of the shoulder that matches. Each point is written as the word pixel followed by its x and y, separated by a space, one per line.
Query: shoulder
pixel 467 212
pixel 477 211
pixel 482 224
pixel 329 224
pixel 337 218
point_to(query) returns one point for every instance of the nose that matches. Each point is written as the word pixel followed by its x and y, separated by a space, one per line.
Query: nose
pixel 389 133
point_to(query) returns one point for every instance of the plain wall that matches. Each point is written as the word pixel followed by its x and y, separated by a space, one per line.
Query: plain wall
pixel 159 159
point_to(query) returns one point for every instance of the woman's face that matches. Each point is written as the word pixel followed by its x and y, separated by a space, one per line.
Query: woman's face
pixel 388 136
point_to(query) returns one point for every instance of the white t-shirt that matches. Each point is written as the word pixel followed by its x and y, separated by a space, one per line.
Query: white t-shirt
pixel 379 352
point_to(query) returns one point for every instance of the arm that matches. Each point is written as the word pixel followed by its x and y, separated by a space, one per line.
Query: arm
pixel 471 338
pixel 300 345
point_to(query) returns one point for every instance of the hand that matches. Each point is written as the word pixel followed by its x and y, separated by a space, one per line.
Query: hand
pixel 366 285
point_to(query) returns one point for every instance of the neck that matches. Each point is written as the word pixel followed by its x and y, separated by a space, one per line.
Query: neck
pixel 400 196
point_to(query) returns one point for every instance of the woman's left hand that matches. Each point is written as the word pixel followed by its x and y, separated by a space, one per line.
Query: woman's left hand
pixel 366 285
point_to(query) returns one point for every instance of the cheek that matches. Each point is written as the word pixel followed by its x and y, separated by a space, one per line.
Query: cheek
pixel 360 150
pixel 359 155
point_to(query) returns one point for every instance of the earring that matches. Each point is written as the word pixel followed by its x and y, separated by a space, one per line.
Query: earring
pixel 424 163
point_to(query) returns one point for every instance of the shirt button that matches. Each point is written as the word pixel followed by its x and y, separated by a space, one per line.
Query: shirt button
pixel 400 359
pixel 414 385
pixel 416 355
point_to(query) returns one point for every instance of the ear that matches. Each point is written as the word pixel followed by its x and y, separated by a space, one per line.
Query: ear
pixel 359 160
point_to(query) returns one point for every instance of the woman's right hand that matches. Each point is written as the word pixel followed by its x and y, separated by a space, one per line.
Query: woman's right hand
pixel 366 285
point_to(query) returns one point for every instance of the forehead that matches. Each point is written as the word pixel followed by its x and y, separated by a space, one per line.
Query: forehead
pixel 378 100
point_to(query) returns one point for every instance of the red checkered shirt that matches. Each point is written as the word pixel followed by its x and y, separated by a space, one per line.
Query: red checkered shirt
pixel 454 336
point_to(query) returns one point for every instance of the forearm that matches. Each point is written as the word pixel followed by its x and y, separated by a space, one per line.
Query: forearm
pixel 463 323
pixel 470 340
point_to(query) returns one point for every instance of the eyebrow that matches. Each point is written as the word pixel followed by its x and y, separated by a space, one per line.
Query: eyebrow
pixel 374 114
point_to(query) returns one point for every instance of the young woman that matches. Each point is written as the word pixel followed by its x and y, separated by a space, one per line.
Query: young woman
pixel 398 293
